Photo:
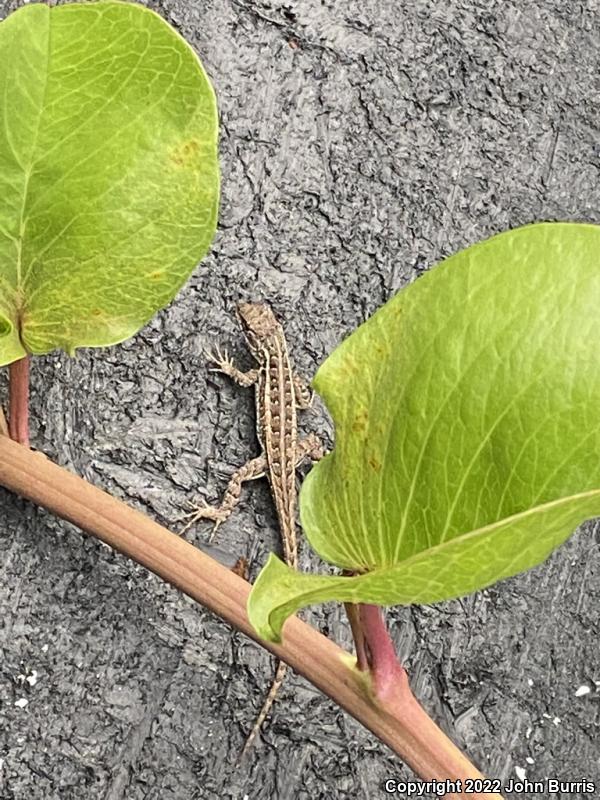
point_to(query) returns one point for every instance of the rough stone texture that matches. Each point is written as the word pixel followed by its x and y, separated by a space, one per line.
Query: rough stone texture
pixel 361 142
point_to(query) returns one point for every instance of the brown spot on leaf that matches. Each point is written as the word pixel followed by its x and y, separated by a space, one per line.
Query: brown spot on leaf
pixel 374 463
pixel 156 275
pixel 360 421
pixel 186 153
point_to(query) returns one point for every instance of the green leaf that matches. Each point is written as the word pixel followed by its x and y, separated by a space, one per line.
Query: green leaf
pixel 467 416
pixel 108 173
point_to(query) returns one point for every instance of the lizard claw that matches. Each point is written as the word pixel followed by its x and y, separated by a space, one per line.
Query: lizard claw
pixel 213 533
pixel 220 358
pixel 202 510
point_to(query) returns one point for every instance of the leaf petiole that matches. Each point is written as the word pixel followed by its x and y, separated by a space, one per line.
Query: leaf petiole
pixel 18 402
pixel 427 749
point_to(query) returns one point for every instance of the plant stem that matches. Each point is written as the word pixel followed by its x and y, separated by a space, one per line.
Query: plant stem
pixel 401 722
pixel 383 665
pixel 3 424
pixel 18 401
pixel 358 634
pixel 391 692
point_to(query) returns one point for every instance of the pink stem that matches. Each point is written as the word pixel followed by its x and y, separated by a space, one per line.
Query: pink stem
pixel 382 661
pixel 429 752
pixel 18 393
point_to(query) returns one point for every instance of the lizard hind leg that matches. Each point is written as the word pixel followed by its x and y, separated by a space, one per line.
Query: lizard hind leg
pixel 253 469
pixel 303 393
pixel 310 447
pixel 202 510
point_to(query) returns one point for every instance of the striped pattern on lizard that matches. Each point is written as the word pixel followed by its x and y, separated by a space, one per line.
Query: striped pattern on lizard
pixel 280 393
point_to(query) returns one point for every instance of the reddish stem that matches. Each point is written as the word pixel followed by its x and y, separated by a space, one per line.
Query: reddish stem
pixel 428 751
pixel 18 402
pixel 382 661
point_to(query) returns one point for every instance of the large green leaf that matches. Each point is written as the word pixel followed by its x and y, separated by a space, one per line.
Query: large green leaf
pixel 108 173
pixel 467 416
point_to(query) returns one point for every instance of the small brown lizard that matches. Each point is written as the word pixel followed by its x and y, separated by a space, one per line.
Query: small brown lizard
pixel 280 392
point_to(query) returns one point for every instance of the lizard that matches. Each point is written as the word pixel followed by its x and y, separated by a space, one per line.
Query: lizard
pixel 279 394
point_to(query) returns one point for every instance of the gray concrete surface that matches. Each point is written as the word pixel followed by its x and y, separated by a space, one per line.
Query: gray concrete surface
pixel 361 142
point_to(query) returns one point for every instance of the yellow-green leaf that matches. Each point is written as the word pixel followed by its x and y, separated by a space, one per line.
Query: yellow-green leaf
pixel 467 416
pixel 108 173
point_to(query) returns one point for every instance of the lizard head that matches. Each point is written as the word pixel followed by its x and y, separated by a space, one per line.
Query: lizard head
pixel 258 322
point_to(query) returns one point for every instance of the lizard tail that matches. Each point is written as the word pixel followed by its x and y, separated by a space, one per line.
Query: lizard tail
pixel 266 707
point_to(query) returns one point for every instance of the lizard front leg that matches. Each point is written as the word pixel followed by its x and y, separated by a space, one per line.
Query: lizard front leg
pixel 253 469
pixel 224 364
